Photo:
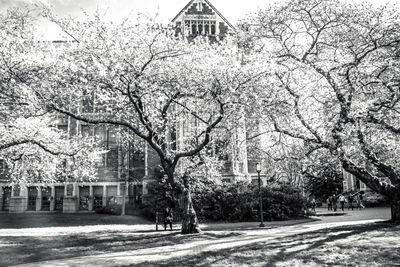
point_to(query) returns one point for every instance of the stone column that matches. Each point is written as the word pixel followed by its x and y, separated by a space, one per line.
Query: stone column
pixel 91 197
pixel 53 198
pixel 104 195
pixel 1 198
pixel 39 198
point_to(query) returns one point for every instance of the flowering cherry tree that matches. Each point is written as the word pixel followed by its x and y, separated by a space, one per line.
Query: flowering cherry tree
pixel 336 67
pixel 31 146
pixel 138 75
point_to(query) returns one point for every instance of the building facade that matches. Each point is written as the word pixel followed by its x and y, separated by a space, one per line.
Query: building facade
pixel 352 184
pixel 201 18
pixel 114 179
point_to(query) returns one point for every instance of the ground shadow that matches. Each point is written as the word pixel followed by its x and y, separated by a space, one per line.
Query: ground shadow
pixel 285 248
pixel 28 249
pixel 40 220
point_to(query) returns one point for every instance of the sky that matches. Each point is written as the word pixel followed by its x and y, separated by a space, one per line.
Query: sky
pixel 232 10
pixel 167 9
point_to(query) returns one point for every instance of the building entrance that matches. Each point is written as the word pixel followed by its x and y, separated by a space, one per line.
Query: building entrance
pixel 97 197
pixel 32 197
pixel 46 198
pixel 59 194
pixel 84 197
pixel 111 195
pixel 6 198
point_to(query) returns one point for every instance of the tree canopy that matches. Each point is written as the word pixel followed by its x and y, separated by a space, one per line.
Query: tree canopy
pixel 335 66
pixel 31 146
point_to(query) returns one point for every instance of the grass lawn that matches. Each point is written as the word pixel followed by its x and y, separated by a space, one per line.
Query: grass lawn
pixel 31 248
pixel 104 236
pixel 33 220
pixel 375 244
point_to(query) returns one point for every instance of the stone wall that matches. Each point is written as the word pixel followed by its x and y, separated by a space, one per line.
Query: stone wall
pixel 70 204
pixel 18 204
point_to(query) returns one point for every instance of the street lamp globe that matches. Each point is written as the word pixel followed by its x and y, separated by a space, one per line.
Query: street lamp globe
pixel 258 167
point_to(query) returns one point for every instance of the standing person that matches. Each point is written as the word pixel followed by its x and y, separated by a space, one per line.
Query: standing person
pixel 168 218
pixel 334 202
pixel 342 200
pixel 350 199
pixel 313 204
pixel 329 201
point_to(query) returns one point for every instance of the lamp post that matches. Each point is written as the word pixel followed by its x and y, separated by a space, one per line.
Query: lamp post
pixel 258 168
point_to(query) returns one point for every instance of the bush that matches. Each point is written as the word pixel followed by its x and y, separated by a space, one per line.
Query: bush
pixel 228 202
pixel 113 209
pixel 372 199
pixel 238 202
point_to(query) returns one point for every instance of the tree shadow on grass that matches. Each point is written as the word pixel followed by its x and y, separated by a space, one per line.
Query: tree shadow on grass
pixel 305 248
pixel 255 227
pixel 23 249
pixel 42 220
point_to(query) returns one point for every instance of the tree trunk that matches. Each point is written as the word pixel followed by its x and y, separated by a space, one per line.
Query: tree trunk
pixel 395 206
pixel 190 224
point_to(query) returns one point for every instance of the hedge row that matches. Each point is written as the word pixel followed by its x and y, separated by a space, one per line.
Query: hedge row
pixel 234 202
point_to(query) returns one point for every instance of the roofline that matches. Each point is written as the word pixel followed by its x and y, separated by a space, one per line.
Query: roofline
pixel 219 13
pixel 180 12
pixel 211 5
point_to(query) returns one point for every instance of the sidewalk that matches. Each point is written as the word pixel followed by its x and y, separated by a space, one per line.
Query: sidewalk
pixel 326 212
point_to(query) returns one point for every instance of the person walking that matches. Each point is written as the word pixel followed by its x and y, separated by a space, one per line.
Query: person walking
pixel 360 198
pixel 313 204
pixel 350 200
pixel 168 218
pixel 342 200
pixel 359 202
pixel 334 202
pixel 329 201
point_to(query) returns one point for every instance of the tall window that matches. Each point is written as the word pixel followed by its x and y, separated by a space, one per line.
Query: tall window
pixel 2 166
pixel 86 130
pixel 200 28
pixel 194 30
pixel 88 103
pixel 187 27
pixel 207 28
pixel 213 29
pixel 199 6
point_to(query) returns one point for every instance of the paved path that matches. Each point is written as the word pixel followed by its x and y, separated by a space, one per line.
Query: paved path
pixel 246 237
pixel 354 215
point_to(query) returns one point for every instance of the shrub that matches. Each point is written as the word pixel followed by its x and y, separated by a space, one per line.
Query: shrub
pixel 113 209
pixel 238 202
pixel 372 199
pixel 233 202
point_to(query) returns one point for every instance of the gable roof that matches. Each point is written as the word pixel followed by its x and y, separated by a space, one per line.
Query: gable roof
pixel 212 7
